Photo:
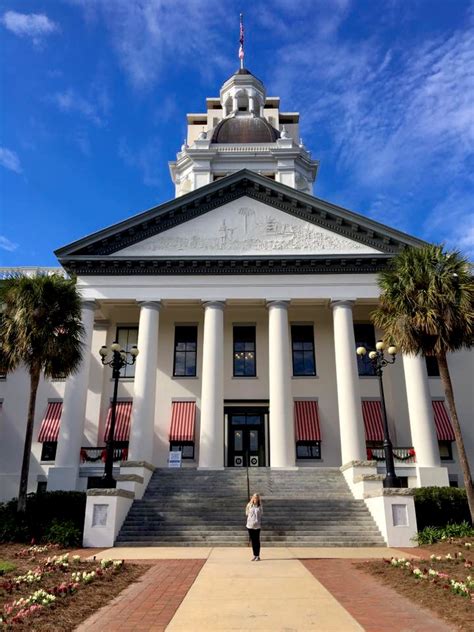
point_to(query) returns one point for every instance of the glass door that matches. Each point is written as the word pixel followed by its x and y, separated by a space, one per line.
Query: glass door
pixel 246 439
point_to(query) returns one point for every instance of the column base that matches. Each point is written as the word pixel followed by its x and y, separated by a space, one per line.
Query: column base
pixel 432 476
pixel 63 478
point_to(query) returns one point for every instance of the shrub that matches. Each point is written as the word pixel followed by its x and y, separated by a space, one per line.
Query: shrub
pixel 42 510
pixel 439 506
pixel 430 535
pixel 64 533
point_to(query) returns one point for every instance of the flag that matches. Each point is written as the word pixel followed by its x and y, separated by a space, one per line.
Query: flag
pixel 241 39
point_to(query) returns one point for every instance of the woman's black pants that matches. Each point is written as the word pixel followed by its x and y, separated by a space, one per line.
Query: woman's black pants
pixel 255 539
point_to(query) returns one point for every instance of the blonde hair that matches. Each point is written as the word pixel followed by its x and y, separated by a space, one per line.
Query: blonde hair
pixel 257 496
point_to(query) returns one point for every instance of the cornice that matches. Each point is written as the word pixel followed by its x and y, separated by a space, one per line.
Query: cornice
pixel 134 266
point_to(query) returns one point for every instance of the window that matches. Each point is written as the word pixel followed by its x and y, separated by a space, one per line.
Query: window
pixel 445 450
pixel 48 451
pixel 244 351
pixel 302 347
pixel 127 337
pixel 185 447
pixel 185 351
pixel 364 337
pixel 432 366
pixel 41 487
pixel 308 450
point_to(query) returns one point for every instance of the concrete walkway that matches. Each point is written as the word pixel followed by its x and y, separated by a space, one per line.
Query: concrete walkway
pixel 278 593
pixel 291 589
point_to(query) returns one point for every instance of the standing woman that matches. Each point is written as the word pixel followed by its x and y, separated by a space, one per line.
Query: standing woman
pixel 253 511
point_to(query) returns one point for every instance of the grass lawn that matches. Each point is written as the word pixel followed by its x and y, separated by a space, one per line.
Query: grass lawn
pixel 25 570
pixel 429 590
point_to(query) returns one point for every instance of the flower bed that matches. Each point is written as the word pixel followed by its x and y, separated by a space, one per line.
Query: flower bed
pixel 442 580
pixel 51 589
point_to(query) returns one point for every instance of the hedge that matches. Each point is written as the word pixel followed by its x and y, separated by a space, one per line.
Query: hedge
pixel 439 506
pixel 44 513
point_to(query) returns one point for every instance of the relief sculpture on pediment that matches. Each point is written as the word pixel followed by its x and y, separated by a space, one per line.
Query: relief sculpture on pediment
pixel 247 230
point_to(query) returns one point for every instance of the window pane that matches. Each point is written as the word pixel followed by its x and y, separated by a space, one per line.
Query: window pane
pixel 239 365
pixel 179 363
pixel 185 350
pixel 188 451
pixel 238 419
pixel 127 337
pixel 309 364
pixel 302 333
pixel 238 440
pixel 244 333
pixel 253 420
pixel 298 363
pixel 302 451
pixel 253 435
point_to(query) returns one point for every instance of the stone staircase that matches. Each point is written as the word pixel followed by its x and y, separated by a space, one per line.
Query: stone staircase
pixel 307 507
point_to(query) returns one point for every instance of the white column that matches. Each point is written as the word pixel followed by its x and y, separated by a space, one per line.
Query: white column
pixel 422 426
pixel 141 445
pixel 65 473
pixel 211 443
pixel 282 427
pixel 348 395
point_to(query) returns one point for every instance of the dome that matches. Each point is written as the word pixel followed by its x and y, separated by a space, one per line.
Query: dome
pixel 245 129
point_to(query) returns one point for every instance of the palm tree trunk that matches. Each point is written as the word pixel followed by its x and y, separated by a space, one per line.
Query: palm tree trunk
pixel 448 391
pixel 35 373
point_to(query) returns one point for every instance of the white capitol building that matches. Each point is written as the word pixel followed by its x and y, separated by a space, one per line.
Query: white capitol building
pixel 247 297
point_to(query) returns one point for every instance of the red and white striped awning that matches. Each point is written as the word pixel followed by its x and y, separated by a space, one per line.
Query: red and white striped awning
pixel 307 421
pixel 372 414
pixel 183 418
pixel 49 429
pixel 123 413
pixel 444 428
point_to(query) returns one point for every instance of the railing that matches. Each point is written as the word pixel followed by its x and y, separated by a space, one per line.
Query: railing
pixel 98 454
pixel 400 454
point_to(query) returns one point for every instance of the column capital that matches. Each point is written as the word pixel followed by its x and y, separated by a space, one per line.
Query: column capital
pixel 342 302
pixel 279 302
pixel 89 304
pixel 218 303
pixel 150 304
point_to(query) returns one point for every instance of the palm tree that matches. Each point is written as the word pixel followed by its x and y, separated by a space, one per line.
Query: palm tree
pixel 40 327
pixel 427 306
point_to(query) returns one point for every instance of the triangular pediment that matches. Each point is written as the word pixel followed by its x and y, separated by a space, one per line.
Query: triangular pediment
pixel 243 222
pixel 246 228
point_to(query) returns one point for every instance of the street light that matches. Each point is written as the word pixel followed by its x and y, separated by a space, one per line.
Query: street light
pixel 118 360
pixel 379 361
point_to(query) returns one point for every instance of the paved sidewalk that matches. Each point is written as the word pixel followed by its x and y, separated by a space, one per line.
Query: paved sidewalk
pixel 291 589
pixel 278 593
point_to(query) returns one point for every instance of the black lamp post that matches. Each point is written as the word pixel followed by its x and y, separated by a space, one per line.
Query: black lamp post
pixel 379 362
pixel 117 362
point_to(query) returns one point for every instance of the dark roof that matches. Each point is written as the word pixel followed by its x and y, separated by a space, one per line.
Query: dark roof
pixel 245 129
pixel 243 71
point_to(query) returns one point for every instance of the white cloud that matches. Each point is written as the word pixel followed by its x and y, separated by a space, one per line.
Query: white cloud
pixel 94 108
pixel 145 33
pixel 33 25
pixel 9 159
pixel 6 244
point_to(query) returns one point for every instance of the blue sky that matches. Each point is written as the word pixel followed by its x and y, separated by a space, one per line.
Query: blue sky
pixel 94 95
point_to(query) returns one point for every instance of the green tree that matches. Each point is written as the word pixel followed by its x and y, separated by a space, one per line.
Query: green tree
pixel 427 307
pixel 40 328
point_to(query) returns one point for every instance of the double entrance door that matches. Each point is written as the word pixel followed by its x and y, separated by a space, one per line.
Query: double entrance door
pixel 246 438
